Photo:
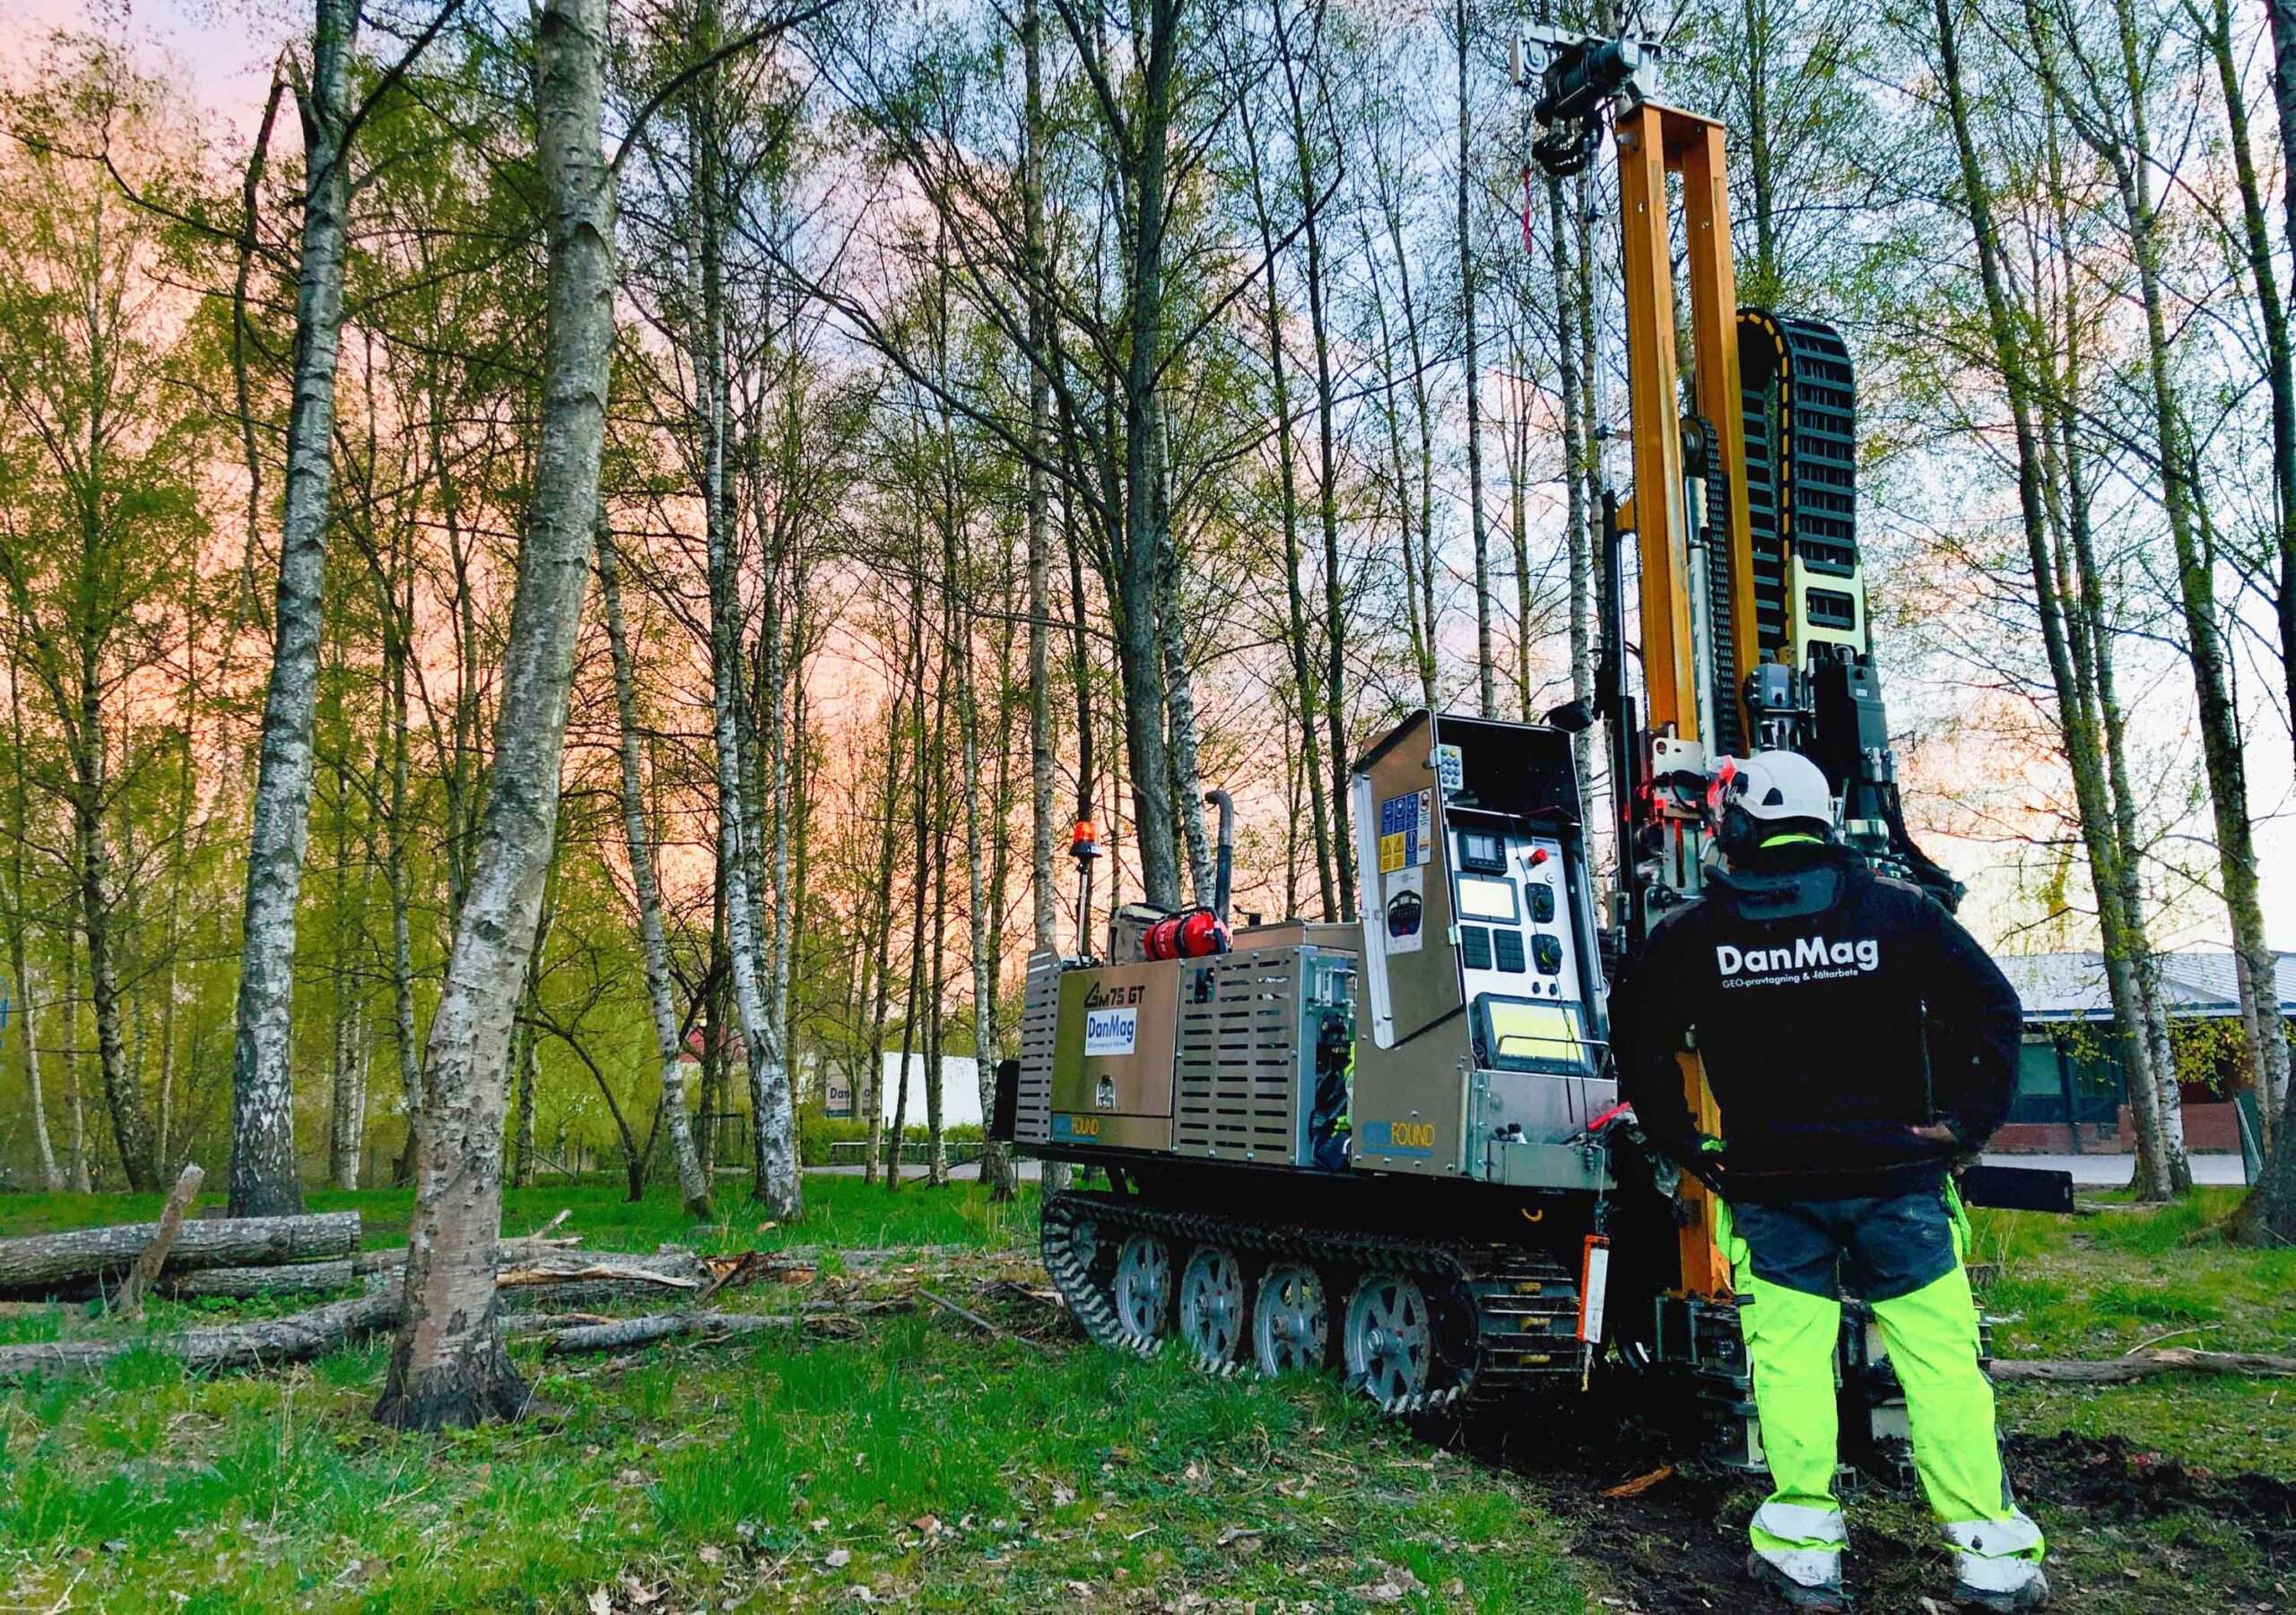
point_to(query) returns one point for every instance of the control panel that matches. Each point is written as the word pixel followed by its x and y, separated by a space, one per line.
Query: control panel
pixel 1479 1055
pixel 1518 962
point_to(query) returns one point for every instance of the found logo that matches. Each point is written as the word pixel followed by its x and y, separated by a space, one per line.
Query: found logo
pixel 1808 958
pixel 1399 1138
pixel 1100 995
pixel 1112 1031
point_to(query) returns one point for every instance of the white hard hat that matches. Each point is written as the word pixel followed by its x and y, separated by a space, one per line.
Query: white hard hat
pixel 1775 786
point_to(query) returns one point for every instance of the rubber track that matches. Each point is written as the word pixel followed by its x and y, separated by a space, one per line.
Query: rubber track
pixel 1523 1303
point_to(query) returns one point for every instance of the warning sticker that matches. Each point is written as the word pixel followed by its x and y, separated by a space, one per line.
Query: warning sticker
pixel 1404 909
pixel 1406 831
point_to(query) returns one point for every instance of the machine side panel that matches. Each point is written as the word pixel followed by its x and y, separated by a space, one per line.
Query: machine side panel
pixel 1113 1055
pixel 1039 1021
pixel 1408 964
pixel 1245 1078
pixel 1409 1104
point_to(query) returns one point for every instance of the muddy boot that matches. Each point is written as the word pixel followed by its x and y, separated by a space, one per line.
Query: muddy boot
pixel 1796 1595
pixel 2028 1592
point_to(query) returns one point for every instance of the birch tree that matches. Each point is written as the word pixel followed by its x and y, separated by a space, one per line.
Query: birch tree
pixel 449 1365
pixel 264 1175
pixel 693 1183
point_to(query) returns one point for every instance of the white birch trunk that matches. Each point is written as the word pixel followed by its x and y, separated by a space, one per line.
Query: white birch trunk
pixel 995 1165
pixel 1044 907
pixel 131 1124
pixel 403 1036
pixel 773 1184
pixel 1486 673
pixel 263 1180
pixel 781 1195
pixel 51 1175
pixel 347 1103
pixel 449 1365
pixel 82 1181
pixel 693 1183
pixel 776 1127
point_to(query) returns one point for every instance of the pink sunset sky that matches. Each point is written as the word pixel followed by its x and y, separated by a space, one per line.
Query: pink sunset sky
pixel 223 50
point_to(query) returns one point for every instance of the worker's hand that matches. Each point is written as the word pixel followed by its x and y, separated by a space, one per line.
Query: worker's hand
pixel 1948 1142
pixel 1707 1163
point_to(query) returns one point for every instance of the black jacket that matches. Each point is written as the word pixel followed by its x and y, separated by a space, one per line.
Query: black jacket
pixel 1835 1012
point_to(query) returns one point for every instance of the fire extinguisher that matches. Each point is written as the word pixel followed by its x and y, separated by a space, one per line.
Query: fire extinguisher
pixel 1194 933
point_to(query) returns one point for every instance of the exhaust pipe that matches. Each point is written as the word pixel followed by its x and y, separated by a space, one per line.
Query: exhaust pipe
pixel 1223 878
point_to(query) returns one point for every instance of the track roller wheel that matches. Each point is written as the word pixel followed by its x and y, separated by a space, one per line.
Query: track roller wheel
pixel 1389 1340
pixel 1290 1321
pixel 1084 1240
pixel 1143 1289
pixel 1212 1307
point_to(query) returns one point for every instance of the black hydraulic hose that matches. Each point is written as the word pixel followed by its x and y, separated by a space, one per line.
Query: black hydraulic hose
pixel 1223 877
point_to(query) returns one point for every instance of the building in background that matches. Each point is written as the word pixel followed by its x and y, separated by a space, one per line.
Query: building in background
pixel 2071 1082
pixel 960 1090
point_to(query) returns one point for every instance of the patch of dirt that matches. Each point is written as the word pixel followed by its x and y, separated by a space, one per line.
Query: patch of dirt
pixel 1673 1542
pixel 2113 1483
pixel 1676 1541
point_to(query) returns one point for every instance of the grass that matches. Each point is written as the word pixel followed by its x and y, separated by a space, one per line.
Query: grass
pixel 924 1463
pixel 853 1213
pixel 919 1461
pixel 2102 1285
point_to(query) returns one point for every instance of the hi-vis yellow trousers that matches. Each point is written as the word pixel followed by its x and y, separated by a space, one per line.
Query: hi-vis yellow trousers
pixel 1904 1256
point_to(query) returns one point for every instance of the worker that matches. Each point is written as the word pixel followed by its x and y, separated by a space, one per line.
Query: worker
pixel 1856 1042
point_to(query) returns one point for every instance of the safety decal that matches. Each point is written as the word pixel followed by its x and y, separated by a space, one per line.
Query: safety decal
pixel 1403 910
pixel 1406 831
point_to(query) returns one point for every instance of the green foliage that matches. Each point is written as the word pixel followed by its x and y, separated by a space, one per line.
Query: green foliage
pixel 2210 1053
pixel 816 1131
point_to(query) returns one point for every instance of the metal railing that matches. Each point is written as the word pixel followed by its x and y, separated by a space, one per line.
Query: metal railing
pixel 854 1153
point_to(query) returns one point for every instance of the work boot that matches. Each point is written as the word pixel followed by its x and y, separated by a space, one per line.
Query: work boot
pixel 1825 1596
pixel 2031 1592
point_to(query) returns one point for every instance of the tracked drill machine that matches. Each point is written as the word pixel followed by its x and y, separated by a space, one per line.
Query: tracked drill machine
pixel 1394 1147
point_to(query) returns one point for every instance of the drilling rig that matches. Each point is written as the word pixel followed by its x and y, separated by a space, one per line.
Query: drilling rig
pixel 1394 1147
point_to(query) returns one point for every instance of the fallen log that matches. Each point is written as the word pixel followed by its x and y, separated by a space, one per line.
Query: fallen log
pixel 754 1267
pixel 391 1258
pixel 300 1336
pixel 587 1281
pixel 296 1338
pixel 669 1270
pixel 43 1262
pixel 2141 1365
pixel 296 1279
pixel 662 1326
pixel 130 1302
